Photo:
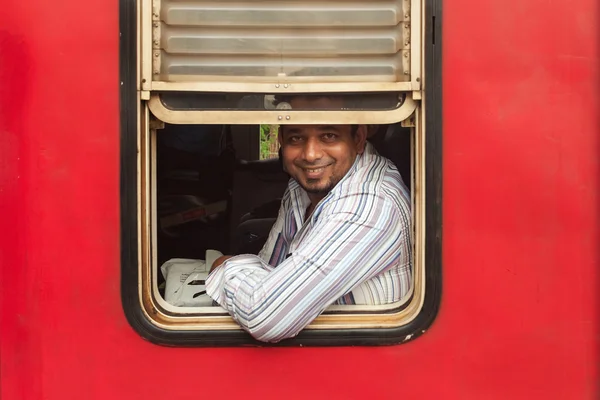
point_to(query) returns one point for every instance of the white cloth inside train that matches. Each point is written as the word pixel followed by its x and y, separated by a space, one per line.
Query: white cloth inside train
pixel 185 280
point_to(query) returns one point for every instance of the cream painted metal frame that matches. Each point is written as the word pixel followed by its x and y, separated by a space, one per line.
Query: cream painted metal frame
pixel 280 116
pixel 167 317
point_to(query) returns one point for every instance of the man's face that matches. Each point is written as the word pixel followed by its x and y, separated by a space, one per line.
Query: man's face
pixel 319 156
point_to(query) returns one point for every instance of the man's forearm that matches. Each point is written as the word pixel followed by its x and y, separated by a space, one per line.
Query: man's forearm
pixel 218 262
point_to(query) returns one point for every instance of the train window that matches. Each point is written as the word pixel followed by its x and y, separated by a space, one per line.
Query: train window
pixel 209 79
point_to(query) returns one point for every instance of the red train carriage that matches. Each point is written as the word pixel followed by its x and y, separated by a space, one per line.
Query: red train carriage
pixel 135 133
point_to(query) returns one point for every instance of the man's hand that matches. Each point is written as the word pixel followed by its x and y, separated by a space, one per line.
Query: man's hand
pixel 218 262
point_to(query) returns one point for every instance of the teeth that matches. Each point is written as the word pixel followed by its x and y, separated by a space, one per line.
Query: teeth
pixel 314 170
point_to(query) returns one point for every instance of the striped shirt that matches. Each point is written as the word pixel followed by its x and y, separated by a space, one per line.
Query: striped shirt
pixel 355 248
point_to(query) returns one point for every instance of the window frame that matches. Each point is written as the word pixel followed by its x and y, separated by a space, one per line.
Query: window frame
pixel 279 116
pixel 145 316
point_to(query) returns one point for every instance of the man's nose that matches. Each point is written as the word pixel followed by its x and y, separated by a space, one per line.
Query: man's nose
pixel 312 150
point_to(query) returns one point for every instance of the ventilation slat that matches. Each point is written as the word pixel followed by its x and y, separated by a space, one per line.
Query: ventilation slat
pixel 283 13
pixel 310 42
pixel 382 68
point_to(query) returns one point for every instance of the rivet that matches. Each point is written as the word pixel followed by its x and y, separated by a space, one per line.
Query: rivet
pixel 285 86
pixel 287 117
pixel 277 85
pixel 156 24
pixel 279 117
pixel 406 73
pixel 418 79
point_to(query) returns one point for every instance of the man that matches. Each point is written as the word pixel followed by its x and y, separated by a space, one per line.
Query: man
pixel 342 235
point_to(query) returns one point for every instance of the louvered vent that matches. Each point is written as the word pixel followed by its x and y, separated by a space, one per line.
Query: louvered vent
pixel 267 41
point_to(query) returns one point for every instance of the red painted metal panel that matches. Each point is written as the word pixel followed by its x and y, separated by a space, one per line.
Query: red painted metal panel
pixel 519 316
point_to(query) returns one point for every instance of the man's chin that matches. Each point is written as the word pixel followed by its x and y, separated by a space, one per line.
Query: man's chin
pixel 316 187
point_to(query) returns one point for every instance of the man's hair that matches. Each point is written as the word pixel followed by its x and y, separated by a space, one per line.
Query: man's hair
pixel 351 101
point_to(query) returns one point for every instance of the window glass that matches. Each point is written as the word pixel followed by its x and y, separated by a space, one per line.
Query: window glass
pixel 178 101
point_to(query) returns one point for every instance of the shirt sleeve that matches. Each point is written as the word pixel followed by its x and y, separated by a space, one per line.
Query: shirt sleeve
pixel 339 250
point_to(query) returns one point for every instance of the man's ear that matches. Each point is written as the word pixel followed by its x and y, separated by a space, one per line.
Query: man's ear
pixel 360 138
pixel 280 151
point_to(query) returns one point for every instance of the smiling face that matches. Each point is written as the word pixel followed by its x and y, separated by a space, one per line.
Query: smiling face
pixel 319 156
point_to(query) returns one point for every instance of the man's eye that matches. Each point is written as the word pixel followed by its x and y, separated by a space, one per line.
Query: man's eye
pixel 294 139
pixel 329 136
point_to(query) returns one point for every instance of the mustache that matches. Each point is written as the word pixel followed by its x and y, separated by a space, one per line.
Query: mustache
pixel 311 166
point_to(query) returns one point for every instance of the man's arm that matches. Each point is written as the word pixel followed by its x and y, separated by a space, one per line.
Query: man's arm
pixel 218 262
pixel 340 252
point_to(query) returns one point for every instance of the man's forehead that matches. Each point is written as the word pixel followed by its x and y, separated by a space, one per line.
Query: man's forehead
pixel 319 128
